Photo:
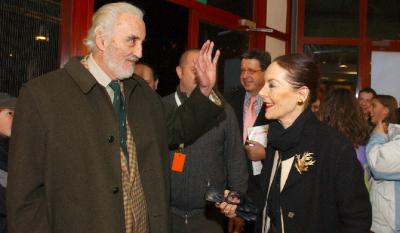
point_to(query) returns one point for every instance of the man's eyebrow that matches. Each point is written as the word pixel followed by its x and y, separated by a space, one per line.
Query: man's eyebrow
pixel 133 37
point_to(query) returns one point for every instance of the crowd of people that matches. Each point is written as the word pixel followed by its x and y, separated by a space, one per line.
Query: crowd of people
pixel 95 149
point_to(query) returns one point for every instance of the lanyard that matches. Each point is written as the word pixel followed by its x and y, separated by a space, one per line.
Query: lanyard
pixel 178 101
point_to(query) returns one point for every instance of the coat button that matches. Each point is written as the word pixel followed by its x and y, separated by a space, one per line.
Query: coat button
pixel 291 215
pixel 115 190
pixel 110 139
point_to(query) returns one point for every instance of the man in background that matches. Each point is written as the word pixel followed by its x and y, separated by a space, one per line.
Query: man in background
pixel 250 111
pixel 216 160
pixel 146 72
pixel 365 97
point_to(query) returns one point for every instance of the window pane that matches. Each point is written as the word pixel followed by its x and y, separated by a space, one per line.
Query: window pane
pixel 29 41
pixel 231 44
pixel 331 18
pixel 384 19
pixel 243 8
pixel 338 64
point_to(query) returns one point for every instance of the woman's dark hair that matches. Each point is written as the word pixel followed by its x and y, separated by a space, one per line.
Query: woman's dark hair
pixel 341 111
pixel 303 71
pixel 391 103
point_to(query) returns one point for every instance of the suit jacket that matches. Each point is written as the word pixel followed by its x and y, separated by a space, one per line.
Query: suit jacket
pixel 331 196
pixel 236 99
pixel 65 171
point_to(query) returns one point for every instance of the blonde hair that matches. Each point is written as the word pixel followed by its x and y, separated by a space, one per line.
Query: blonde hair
pixel 105 18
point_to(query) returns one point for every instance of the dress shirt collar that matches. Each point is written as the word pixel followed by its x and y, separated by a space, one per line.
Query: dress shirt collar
pixel 100 76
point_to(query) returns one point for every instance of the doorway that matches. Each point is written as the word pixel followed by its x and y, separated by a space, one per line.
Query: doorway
pixel 166 38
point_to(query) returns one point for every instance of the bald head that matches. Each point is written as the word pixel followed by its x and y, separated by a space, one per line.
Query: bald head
pixel 187 77
pixel 147 73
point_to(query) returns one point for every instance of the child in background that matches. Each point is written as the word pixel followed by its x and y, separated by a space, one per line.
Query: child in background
pixel 7 107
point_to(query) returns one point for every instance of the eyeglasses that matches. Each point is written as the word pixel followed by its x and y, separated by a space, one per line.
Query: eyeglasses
pixel 250 71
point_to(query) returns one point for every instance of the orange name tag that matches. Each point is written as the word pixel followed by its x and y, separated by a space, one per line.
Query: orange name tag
pixel 178 161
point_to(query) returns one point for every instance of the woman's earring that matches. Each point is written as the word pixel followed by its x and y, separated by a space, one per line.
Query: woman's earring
pixel 300 102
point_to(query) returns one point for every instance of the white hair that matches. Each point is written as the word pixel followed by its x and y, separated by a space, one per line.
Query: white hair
pixel 105 18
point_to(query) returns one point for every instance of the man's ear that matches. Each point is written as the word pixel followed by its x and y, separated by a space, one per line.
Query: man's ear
pixel 100 42
pixel 179 71
pixel 156 84
pixel 303 93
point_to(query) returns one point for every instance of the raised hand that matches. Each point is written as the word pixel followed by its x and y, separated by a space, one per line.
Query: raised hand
pixel 205 68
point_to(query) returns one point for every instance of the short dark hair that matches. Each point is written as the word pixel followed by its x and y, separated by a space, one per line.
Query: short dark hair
pixel 155 75
pixel 184 56
pixel 262 56
pixel 302 71
pixel 367 90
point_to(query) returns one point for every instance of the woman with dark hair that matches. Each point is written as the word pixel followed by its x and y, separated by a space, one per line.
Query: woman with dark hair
pixel 383 157
pixel 341 111
pixel 384 109
pixel 311 179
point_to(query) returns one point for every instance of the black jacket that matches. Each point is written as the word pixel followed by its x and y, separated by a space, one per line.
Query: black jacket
pixel 236 99
pixel 331 196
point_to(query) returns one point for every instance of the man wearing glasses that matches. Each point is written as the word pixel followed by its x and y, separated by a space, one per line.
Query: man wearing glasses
pixel 250 111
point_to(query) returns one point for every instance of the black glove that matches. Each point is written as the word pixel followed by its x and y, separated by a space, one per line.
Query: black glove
pixel 246 209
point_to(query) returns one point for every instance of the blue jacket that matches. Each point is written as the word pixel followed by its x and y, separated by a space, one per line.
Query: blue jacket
pixel 384 162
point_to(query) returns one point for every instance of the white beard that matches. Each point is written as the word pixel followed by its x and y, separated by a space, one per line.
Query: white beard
pixel 117 68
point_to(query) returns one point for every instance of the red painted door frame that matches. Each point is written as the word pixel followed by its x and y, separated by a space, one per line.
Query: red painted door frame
pixel 76 17
pixel 201 12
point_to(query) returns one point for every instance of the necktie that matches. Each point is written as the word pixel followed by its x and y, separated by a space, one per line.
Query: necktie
pixel 119 108
pixel 250 116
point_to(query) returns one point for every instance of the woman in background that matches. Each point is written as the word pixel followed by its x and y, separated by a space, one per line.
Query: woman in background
pixel 341 111
pixel 384 162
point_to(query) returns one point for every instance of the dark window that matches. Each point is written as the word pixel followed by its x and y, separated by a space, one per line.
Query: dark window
pixel 384 19
pixel 29 41
pixel 338 64
pixel 232 44
pixel 338 18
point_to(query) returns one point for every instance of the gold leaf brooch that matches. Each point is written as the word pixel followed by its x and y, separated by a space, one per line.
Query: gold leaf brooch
pixel 303 161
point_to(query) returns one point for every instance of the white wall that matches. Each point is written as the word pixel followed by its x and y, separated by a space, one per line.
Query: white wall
pixel 385 73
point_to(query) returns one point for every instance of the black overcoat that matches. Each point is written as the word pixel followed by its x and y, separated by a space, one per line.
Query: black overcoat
pixel 331 196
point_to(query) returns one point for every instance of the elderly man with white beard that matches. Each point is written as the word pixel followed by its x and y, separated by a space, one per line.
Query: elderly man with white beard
pixel 89 151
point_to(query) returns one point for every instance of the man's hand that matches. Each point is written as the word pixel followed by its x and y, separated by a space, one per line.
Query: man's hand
pixel 255 151
pixel 236 225
pixel 205 68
